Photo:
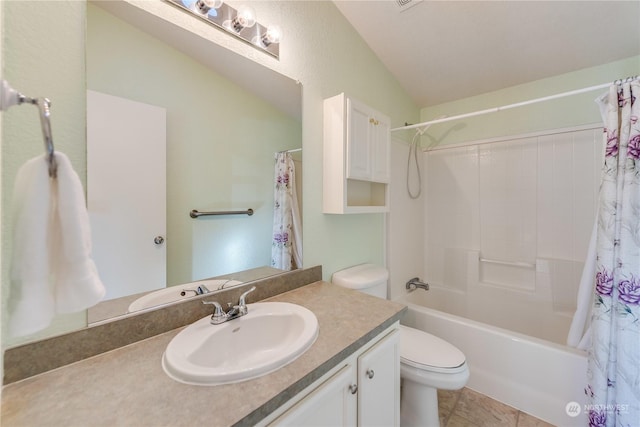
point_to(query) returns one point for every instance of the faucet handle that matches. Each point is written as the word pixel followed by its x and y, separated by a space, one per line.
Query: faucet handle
pixel 218 313
pixel 415 283
pixel 241 301
pixel 202 289
pixel 242 304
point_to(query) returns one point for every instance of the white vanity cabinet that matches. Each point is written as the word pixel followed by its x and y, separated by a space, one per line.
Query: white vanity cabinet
pixel 363 390
pixel 356 161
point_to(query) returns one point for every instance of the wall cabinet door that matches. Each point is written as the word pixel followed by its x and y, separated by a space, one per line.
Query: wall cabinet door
pixel 368 145
pixel 359 147
pixel 381 147
pixel 331 404
pixel 379 383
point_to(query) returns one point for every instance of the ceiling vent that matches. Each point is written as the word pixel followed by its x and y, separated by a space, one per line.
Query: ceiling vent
pixel 407 4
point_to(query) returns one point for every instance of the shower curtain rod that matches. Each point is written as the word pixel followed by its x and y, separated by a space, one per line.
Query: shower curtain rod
pixel 293 150
pixel 515 105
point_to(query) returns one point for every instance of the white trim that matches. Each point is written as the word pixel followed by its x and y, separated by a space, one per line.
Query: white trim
pixel 515 137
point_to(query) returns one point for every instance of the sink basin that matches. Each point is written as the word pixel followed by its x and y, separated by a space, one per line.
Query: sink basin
pixel 172 293
pixel 270 336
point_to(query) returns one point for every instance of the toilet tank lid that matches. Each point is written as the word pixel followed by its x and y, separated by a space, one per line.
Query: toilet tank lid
pixel 360 276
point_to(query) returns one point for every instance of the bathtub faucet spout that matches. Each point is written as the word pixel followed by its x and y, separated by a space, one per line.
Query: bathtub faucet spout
pixel 415 283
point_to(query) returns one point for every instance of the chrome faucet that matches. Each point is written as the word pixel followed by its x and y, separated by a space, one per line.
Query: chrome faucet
pixel 200 290
pixel 415 283
pixel 220 316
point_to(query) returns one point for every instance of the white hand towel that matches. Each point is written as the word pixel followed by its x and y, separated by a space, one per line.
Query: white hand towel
pixel 77 285
pixel 30 294
pixel 52 269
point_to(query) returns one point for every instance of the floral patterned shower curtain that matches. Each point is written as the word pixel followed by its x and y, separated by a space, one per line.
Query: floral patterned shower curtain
pixel 613 390
pixel 286 248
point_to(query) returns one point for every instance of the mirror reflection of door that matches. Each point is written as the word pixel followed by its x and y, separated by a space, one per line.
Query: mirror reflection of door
pixel 126 192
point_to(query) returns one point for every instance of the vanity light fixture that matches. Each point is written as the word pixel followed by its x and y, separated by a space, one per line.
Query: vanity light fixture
pixel 245 18
pixel 272 35
pixel 204 6
pixel 240 22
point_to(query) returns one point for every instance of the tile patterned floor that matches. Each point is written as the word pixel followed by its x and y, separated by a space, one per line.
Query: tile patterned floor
pixel 467 408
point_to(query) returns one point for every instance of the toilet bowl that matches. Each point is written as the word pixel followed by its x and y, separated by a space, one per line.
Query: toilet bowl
pixel 427 363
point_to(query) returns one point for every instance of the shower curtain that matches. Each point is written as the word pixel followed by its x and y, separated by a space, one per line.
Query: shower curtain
pixel 286 247
pixel 613 389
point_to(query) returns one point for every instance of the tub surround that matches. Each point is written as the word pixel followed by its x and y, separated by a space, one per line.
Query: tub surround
pixel 40 356
pixel 127 386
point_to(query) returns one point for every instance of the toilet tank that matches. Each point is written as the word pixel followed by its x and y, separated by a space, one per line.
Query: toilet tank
pixel 368 278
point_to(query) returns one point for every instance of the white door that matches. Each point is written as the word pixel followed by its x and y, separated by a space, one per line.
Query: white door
pixel 126 192
pixel 379 383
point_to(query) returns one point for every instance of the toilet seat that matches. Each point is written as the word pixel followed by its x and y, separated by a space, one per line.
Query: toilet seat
pixel 422 350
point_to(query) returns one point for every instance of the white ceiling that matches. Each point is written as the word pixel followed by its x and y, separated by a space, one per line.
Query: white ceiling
pixel 446 50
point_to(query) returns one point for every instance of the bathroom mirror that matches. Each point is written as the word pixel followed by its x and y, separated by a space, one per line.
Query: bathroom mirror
pixel 258 113
pixel 223 127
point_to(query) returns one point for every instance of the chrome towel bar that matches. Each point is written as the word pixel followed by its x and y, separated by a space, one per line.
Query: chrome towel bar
pixel 195 214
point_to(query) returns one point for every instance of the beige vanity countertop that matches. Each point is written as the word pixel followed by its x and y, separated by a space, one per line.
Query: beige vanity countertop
pixel 127 386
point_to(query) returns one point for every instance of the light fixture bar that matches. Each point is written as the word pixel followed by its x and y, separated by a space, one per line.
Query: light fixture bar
pixel 226 19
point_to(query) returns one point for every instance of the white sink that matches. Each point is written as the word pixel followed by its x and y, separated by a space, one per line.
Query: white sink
pixel 269 337
pixel 172 293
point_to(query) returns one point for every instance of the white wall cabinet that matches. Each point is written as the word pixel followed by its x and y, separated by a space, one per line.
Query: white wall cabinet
pixel 356 162
pixel 364 390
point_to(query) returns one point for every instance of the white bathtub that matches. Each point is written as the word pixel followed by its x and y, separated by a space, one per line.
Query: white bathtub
pixel 533 375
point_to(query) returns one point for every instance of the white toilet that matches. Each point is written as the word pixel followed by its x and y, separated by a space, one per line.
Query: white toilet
pixel 427 363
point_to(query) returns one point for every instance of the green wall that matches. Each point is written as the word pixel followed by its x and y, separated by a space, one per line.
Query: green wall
pixel 42 56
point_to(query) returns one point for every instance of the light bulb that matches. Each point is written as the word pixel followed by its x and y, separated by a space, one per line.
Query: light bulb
pixel 204 6
pixel 245 18
pixel 272 35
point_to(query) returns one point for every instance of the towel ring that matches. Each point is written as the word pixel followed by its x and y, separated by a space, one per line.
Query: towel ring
pixel 45 121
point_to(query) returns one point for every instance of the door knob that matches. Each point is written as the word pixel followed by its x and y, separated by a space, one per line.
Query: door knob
pixel 158 240
pixel 353 388
pixel 370 373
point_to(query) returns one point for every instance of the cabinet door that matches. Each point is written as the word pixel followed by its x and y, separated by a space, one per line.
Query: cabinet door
pixel 381 149
pixel 379 383
pixel 359 150
pixel 331 404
